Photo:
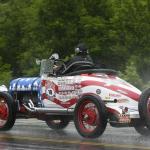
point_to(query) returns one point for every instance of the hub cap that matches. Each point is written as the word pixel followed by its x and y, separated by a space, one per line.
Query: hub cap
pixel 3 112
pixel 88 116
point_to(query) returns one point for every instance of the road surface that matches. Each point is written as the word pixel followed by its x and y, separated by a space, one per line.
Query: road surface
pixel 33 134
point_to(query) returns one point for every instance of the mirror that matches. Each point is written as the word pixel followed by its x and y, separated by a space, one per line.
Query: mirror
pixel 54 56
pixel 38 61
pixel 3 88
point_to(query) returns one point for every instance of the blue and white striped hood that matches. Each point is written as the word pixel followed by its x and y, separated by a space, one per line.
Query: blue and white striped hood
pixel 25 84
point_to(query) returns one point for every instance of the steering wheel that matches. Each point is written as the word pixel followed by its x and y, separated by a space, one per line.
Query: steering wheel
pixel 59 64
pixel 62 63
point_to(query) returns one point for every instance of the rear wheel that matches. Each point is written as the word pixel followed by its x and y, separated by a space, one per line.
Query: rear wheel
pixel 7 112
pixel 90 116
pixel 58 122
pixel 144 107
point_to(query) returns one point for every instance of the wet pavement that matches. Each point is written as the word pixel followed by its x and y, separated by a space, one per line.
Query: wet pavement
pixel 33 134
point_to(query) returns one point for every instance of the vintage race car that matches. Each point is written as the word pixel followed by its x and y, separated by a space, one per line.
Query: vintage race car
pixel 91 97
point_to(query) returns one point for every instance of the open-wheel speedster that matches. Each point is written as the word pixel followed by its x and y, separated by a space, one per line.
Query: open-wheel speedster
pixel 89 96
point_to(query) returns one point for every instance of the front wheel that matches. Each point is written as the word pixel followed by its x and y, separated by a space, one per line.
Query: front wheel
pixel 144 107
pixel 90 116
pixel 7 112
pixel 58 122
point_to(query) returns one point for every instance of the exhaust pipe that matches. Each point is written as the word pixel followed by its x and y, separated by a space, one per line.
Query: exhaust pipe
pixel 40 110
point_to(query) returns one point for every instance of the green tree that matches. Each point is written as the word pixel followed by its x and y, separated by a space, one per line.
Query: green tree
pixel 5 73
pixel 131 75
pixel 132 25
pixel 59 25
pixel 114 30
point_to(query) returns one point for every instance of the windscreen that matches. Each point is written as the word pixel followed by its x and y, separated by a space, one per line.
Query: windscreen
pixel 46 67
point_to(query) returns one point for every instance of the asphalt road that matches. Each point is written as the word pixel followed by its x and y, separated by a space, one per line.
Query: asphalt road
pixel 33 134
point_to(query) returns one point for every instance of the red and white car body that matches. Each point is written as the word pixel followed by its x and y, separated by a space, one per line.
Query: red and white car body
pixel 90 97
pixel 120 97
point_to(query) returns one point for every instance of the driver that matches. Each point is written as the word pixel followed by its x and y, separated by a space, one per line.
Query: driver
pixel 81 54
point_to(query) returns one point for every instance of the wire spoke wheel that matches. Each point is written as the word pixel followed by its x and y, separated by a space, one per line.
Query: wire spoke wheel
pixel 90 117
pixel 4 112
pixel 7 112
pixel 58 122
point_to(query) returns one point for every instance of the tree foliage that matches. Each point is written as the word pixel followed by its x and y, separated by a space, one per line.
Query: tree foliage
pixel 115 31
pixel 130 74
pixel 5 73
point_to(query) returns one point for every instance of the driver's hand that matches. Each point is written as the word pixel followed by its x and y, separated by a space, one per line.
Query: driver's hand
pixel 55 67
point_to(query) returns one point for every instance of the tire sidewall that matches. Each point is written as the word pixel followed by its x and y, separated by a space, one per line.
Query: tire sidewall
pixel 145 117
pixel 11 108
pixel 102 112
pixel 64 121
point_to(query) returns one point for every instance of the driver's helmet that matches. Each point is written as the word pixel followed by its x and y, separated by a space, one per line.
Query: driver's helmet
pixel 81 49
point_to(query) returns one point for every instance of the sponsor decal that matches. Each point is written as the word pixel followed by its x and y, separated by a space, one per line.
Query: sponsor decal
pixel 114 95
pixel 107 97
pixel 124 119
pixel 50 92
pixel 67 81
pixel 69 88
pixel 66 88
pixel 122 100
pixel 98 91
